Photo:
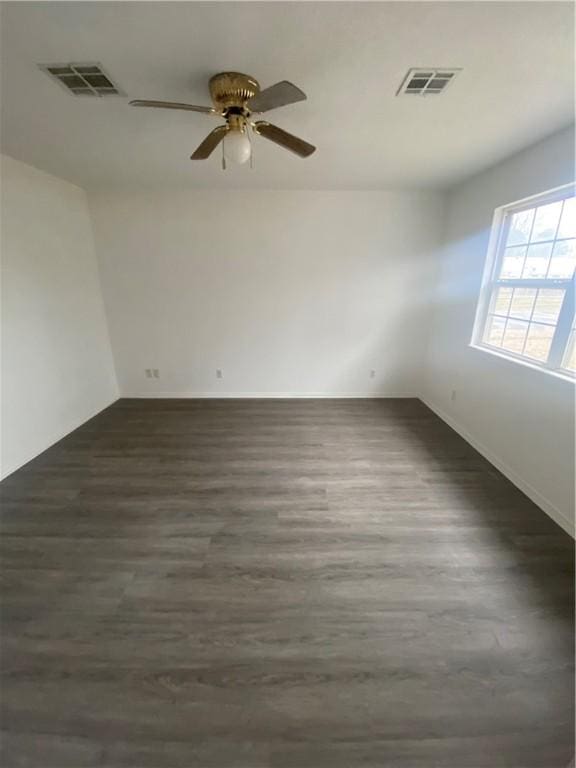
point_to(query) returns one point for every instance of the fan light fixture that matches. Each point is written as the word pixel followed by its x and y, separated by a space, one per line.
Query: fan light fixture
pixel 237 146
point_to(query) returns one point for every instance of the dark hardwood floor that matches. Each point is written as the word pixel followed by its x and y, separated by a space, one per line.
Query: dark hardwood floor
pixel 280 584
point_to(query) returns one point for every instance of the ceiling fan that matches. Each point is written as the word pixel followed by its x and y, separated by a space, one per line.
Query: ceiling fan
pixel 236 97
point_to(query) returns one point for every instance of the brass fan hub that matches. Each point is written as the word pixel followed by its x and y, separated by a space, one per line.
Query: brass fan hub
pixel 232 90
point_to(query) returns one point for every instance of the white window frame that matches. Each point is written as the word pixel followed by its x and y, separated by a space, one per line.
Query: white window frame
pixel 498 236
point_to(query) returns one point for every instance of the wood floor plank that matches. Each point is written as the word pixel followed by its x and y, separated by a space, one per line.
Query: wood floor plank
pixel 280 584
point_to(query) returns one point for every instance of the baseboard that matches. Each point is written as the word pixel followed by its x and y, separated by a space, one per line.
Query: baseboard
pixel 53 440
pixel 268 395
pixel 541 501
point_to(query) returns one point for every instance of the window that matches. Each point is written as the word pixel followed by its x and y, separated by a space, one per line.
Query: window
pixel 526 309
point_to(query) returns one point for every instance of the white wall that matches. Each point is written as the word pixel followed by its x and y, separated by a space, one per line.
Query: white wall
pixel 521 418
pixel 57 368
pixel 289 293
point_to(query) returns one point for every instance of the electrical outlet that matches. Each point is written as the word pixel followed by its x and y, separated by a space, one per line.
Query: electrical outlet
pixel 219 374
pixel 453 395
pixel 372 374
pixel 156 373
pixel 148 373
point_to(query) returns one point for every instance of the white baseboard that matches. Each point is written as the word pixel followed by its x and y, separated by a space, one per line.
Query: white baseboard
pixel 541 501
pixel 53 439
pixel 268 395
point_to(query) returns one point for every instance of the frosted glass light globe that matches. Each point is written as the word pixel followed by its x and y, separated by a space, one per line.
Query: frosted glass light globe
pixel 237 147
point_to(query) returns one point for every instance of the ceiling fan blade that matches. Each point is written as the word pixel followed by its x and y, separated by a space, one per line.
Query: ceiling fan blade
pixel 276 96
pixel 210 143
pixel 284 139
pixel 173 105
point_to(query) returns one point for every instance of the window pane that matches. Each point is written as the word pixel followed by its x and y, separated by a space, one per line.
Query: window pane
pixel 522 303
pixel 546 221
pixel 494 330
pixel 513 262
pixel 520 227
pixel 539 341
pixel 563 259
pixel 548 305
pixel 568 220
pixel 501 301
pixel 514 336
pixel 537 258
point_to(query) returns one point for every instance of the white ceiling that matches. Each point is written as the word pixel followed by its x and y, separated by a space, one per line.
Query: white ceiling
pixel 350 57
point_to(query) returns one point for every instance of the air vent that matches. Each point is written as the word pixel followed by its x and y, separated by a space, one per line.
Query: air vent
pixel 82 79
pixel 426 81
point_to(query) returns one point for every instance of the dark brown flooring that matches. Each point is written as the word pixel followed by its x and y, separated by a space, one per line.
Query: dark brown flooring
pixel 280 584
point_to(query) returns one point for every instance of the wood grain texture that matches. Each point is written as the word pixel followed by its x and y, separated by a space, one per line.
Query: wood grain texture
pixel 280 584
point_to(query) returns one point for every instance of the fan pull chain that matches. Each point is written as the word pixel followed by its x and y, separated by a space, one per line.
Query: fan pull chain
pixel 223 158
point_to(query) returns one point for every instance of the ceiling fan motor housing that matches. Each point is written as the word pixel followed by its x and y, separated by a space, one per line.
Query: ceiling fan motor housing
pixel 231 90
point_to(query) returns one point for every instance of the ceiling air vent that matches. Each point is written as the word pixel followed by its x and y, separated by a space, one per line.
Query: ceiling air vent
pixel 82 79
pixel 426 81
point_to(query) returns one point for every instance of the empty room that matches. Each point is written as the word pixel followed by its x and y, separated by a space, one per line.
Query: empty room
pixel 288 366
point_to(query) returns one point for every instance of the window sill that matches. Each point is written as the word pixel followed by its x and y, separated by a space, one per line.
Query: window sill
pixel 519 361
